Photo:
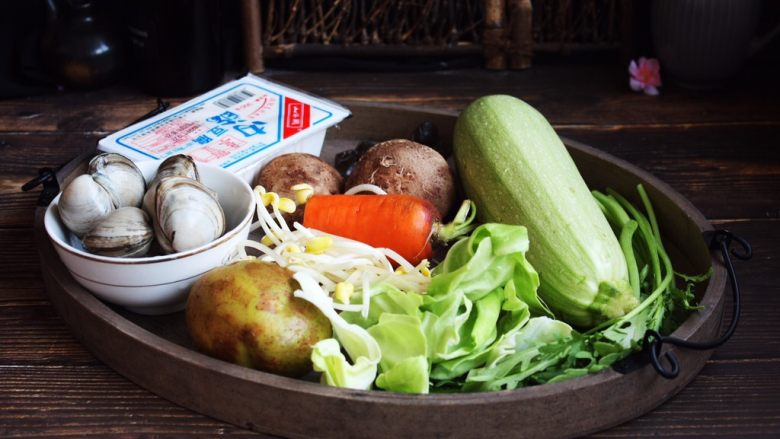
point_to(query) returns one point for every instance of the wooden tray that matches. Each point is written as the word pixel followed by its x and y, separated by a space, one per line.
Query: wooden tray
pixel 155 352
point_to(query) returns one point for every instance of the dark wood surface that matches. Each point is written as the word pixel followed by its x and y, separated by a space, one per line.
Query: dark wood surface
pixel 718 149
pixel 156 353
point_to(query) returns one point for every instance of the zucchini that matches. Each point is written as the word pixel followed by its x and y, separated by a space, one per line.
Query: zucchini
pixel 517 171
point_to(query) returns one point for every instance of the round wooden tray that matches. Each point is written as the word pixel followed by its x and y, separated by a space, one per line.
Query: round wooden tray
pixel 156 353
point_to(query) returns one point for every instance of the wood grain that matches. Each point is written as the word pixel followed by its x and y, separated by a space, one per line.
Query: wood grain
pixel 697 162
pixel 62 401
pixel 85 112
pixel 23 154
pixel 726 400
pixel 37 336
pixel 30 320
pixel 586 95
pixel 592 95
pixel 734 399
pixel 708 166
pixel 231 393
pixel 718 149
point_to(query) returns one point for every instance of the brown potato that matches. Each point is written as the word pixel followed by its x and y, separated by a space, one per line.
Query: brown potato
pixel 287 170
pixel 401 166
pixel 246 313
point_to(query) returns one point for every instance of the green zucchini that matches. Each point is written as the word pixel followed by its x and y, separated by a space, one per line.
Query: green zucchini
pixel 517 171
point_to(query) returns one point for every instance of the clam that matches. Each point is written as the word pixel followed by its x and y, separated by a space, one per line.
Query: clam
pixel 126 232
pixel 187 214
pixel 112 181
pixel 83 204
pixel 120 177
pixel 178 165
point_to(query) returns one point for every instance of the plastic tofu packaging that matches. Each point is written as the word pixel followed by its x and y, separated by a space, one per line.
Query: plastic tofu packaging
pixel 239 126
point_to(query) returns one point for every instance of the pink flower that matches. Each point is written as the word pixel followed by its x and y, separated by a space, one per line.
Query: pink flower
pixel 646 76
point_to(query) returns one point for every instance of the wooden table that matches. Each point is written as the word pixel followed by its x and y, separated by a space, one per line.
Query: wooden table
pixel 719 149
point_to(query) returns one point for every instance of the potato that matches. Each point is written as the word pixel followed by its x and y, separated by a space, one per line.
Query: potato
pixel 287 170
pixel 246 313
pixel 401 166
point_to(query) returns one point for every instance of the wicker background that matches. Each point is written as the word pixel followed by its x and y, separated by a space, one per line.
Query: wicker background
pixel 556 23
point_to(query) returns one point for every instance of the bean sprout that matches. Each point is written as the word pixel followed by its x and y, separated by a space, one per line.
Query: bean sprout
pixel 343 260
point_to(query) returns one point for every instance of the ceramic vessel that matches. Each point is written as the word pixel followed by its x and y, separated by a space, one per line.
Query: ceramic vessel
pixel 157 284
pixel 702 43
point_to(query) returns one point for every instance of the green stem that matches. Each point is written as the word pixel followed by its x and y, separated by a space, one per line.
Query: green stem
pixel 612 210
pixel 626 238
pixel 662 264
pixel 641 307
pixel 626 226
pixel 650 212
pixel 646 234
pixel 461 225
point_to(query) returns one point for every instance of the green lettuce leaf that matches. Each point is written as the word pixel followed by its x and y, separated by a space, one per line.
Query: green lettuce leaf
pixel 404 364
pixel 336 371
pixel 363 350
pixel 484 291
pixel 481 325
pixel 386 299
pixel 515 357
pixel 491 257
pixel 406 376
pixel 394 323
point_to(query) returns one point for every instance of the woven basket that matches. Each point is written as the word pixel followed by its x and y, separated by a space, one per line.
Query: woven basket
pixel 504 32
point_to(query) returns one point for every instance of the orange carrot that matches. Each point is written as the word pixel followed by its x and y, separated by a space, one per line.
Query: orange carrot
pixel 403 223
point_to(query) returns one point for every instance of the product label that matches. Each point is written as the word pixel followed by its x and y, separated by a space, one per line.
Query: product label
pixel 226 126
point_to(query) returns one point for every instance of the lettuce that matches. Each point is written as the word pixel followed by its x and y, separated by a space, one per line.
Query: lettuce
pixel 515 357
pixel 337 371
pixel 481 325
pixel 326 354
pixel 404 363
pixel 479 299
pixel 406 376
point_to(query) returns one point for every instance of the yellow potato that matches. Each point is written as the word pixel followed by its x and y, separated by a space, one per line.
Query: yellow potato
pixel 246 313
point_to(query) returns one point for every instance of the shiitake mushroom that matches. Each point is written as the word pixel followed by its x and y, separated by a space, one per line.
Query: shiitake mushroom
pixel 402 166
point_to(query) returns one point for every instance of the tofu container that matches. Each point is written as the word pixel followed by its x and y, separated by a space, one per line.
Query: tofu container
pixel 238 126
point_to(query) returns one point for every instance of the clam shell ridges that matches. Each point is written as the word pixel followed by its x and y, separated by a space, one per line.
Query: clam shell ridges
pixel 188 214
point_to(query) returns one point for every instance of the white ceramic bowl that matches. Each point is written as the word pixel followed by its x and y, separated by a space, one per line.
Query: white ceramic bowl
pixel 157 284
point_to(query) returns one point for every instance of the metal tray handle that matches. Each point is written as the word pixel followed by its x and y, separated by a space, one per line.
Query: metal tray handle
pixel 653 341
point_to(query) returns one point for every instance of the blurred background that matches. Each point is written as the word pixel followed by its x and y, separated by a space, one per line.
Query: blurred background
pixel 184 47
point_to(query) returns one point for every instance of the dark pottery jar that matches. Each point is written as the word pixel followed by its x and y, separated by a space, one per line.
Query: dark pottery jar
pixel 703 43
pixel 80 47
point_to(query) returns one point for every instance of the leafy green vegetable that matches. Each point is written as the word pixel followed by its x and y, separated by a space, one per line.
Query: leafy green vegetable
pixel 403 346
pixel 519 355
pixel 337 371
pixel 326 354
pixel 481 325
pixel 546 350
pixel 602 346
pixel 493 256
pixel 479 296
pixel 407 376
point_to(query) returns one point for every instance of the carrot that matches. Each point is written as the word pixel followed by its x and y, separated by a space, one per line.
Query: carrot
pixel 403 223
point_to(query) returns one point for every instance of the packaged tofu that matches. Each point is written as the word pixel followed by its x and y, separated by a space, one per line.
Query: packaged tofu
pixel 239 126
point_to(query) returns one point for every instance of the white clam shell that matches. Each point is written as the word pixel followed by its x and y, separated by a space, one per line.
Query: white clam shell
pixel 126 232
pixel 187 214
pixel 179 165
pixel 120 177
pixel 83 204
